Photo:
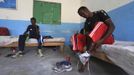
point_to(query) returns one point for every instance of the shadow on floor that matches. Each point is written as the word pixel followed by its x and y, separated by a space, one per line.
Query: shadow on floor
pixel 31 64
pixel 99 67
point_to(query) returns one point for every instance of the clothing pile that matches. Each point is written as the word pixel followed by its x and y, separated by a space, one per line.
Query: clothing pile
pixel 62 66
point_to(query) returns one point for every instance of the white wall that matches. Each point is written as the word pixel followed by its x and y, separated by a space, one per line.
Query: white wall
pixel 107 5
pixel 69 9
pixel 25 10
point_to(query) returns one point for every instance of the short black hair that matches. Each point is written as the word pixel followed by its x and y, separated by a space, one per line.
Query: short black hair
pixel 82 8
pixel 33 19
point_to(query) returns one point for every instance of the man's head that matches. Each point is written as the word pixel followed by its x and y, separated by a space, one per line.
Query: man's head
pixel 84 12
pixel 33 21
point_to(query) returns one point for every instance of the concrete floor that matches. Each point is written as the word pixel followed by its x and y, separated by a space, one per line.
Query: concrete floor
pixel 32 64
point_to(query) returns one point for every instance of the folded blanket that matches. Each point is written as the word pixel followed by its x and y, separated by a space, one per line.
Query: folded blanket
pixel 122 54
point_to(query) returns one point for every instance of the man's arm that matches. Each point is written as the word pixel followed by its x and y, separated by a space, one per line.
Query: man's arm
pixel 107 20
pixel 37 30
pixel 110 29
pixel 26 31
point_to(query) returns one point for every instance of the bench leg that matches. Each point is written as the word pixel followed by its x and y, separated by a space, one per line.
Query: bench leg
pixel 62 49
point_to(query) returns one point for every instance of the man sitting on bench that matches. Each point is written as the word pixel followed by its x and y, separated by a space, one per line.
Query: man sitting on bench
pixel 33 33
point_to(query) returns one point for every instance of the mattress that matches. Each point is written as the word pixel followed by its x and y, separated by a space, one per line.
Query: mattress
pixel 5 40
pixel 122 54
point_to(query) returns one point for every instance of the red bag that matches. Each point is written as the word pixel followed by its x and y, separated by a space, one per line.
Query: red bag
pixel 81 42
pixel 98 31
pixel 78 42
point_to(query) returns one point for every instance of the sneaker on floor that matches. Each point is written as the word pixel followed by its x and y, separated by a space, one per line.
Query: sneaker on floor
pixel 58 70
pixel 67 68
pixel 62 69
pixel 40 53
pixel 19 53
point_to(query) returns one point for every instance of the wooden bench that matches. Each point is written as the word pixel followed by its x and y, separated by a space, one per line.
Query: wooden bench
pixel 48 42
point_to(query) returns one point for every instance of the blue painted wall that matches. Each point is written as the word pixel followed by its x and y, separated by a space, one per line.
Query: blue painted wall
pixel 17 27
pixel 123 19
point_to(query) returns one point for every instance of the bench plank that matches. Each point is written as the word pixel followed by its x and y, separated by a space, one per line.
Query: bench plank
pixel 60 44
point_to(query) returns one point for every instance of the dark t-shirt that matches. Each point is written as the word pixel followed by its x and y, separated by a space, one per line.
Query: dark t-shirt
pixel 33 31
pixel 90 22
